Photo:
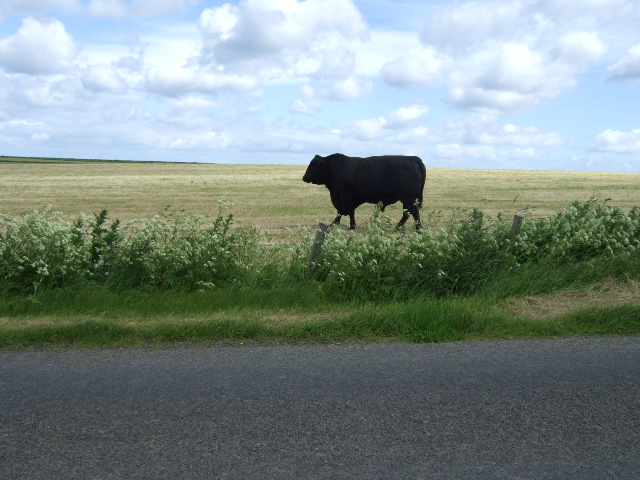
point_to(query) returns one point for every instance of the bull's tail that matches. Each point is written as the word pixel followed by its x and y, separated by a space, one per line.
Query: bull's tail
pixel 423 172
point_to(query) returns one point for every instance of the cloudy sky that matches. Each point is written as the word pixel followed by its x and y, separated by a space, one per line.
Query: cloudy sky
pixel 524 84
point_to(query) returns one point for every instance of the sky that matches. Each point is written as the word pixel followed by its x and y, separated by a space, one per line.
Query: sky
pixel 511 84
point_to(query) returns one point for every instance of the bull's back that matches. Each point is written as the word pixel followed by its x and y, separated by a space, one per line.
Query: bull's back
pixel 388 179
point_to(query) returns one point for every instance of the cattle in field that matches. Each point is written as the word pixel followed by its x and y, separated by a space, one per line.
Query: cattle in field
pixel 353 181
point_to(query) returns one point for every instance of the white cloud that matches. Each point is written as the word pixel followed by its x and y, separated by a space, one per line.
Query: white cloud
pixel 277 31
pixel 403 118
pixel 132 63
pixel 486 130
pixel 217 25
pixel 107 8
pixel 38 6
pixel 379 48
pixel 308 104
pixel 40 137
pixel 455 151
pixel 523 153
pixel 137 8
pixel 39 47
pixel 628 67
pixel 471 135
pixel 199 140
pixel 513 135
pixel 102 78
pixel 365 130
pixel 517 77
pixel 416 134
pixel 189 113
pixel 31 95
pixel 456 155
pixel 98 8
pixel 179 81
pixel 615 141
pixel 417 68
pixel 307 92
pixel 466 26
pixel 606 10
pixel 406 116
pixel 511 79
pixel 349 89
pixel 336 64
pixel 502 56
pixel 13 131
pixel 580 49
pixel 149 8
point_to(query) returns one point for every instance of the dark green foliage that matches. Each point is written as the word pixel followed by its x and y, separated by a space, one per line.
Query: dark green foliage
pixel 585 230
pixel 188 252
pixel 480 251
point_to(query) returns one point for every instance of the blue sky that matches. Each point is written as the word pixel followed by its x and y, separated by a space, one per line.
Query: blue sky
pixel 514 84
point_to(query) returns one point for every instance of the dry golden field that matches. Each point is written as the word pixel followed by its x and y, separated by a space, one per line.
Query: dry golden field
pixel 274 196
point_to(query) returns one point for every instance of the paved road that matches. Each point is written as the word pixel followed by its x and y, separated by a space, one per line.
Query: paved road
pixel 510 409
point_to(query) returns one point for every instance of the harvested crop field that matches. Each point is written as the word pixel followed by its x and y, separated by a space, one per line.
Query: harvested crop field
pixel 274 196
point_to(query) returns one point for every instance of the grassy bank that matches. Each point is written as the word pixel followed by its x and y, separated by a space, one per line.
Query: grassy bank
pixel 191 279
pixel 103 318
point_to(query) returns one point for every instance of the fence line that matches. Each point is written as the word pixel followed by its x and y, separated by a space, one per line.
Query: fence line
pixel 317 246
pixel 517 221
pixel 321 233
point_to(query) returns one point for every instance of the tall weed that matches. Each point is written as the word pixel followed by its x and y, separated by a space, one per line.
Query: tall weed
pixel 192 252
pixel 185 251
pixel 471 251
pixel 40 250
pixel 584 230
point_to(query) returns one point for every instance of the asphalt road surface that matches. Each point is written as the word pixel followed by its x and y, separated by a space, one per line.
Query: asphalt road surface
pixel 557 409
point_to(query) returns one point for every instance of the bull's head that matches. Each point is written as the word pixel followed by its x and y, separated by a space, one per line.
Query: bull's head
pixel 316 171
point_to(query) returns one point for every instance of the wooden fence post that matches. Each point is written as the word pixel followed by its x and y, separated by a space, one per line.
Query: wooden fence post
pixel 517 221
pixel 317 246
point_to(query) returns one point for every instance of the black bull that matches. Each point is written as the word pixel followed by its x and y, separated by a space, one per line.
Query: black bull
pixel 353 181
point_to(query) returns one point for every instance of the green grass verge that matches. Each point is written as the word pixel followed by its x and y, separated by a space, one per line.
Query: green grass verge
pixel 89 314
pixel 106 318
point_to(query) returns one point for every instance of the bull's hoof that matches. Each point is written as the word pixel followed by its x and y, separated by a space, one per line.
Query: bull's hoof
pixel 352 227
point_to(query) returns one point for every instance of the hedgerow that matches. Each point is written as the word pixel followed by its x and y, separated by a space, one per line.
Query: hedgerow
pixel 187 251
pixel 584 230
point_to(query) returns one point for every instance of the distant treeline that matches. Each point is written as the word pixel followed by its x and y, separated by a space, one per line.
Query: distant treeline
pixel 15 159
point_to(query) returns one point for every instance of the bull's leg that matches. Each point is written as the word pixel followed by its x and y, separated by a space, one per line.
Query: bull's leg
pixel 415 212
pixel 416 217
pixel 336 220
pixel 403 220
pixel 352 220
